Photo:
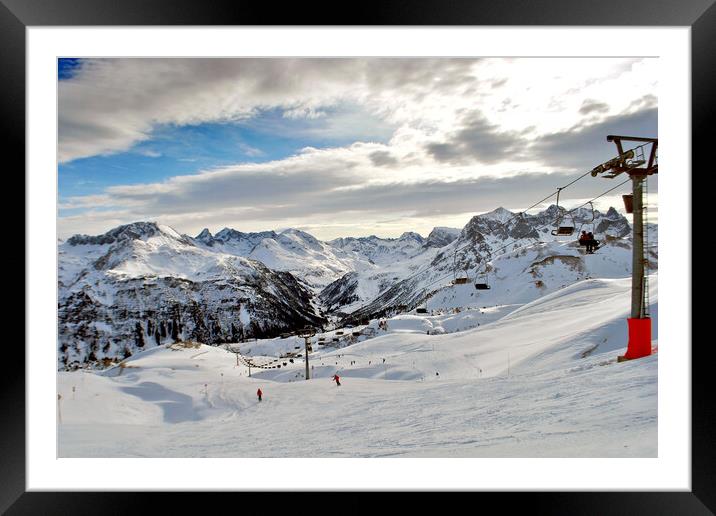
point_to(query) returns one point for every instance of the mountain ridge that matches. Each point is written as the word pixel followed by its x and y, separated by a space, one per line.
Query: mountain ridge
pixel 232 284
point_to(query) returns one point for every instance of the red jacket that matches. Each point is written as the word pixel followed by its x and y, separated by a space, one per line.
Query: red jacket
pixel 336 377
pixel 259 393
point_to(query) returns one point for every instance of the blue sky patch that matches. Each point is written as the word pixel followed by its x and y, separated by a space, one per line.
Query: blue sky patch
pixel 67 67
pixel 174 150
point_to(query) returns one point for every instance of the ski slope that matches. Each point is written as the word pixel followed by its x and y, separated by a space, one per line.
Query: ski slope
pixel 538 380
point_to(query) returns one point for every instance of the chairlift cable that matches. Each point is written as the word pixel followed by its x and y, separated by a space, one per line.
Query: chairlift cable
pixel 539 227
pixel 518 214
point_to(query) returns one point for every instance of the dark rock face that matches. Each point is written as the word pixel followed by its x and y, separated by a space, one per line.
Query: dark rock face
pixel 340 293
pixel 172 309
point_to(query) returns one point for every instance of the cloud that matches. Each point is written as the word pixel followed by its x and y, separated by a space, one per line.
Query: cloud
pixel 478 140
pixel 250 151
pixel 593 106
pixel 151 153
pixel 339 188
pixel 412 138
pixel 383 159
pixel 585 146
pixel 111 104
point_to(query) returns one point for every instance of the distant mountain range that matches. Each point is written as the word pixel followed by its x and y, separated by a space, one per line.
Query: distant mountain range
pixel 144 284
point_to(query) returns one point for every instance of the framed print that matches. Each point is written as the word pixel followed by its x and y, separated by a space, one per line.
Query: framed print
pixel 405 251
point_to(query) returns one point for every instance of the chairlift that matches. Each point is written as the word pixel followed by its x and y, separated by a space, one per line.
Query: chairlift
pixel 482 285
pixel 460 277
pixel 423 306
pixel 482 278
pixel 583 243
pixel 563 227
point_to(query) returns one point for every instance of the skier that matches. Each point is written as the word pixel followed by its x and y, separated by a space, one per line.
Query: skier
pixel 259 394
pixel 583 238
pixel 337 379
pixel 591 243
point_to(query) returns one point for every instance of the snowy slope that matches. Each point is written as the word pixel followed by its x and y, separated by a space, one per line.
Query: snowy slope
pixel 540 381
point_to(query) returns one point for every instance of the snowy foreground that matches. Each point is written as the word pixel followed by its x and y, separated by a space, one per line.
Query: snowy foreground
pixel 538 380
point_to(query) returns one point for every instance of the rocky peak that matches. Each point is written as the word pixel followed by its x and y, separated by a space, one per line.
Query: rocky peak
pixel 205 236
pixel 411 235
pixel 441 236
pixel 133 231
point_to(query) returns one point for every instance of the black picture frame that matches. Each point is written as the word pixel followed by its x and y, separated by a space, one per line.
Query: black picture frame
pixel 700 15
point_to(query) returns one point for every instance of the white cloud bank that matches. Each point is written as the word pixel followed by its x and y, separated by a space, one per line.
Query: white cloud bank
pixel 463 130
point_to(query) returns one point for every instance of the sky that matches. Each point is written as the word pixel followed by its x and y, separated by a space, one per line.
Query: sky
pixel 338 146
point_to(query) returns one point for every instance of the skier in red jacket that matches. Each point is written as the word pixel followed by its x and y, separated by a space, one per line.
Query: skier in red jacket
pixel 337 379
pixel 259 394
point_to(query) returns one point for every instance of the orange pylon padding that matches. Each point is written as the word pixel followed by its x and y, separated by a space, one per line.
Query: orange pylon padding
pixel 639 338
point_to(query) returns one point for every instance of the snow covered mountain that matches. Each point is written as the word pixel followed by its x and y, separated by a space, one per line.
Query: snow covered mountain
pixel 311 261
pixel 383 251
pixel 441 236
pixel 144 284
pixel 516 255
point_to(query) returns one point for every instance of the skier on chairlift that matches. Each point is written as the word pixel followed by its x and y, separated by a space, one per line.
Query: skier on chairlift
pixel 591 243
pixel 587 240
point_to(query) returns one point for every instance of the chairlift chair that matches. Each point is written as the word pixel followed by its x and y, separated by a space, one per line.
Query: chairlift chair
pixel 563 228
pixel 481 280
pixel 423 307
pixel 460 277
pixel 583 243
